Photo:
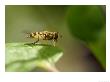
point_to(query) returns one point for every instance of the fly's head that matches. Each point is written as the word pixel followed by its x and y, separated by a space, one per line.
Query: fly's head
pixel 30 35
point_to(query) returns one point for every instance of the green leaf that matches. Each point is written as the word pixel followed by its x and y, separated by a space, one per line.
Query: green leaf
pixel 99 48
pixel 26 57
pixel 87 23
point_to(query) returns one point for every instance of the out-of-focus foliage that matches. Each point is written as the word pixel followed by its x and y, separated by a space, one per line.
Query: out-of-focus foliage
pixel 87 23
pixel 26 57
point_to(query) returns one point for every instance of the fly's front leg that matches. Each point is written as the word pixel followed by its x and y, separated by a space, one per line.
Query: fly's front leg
pixel 36 41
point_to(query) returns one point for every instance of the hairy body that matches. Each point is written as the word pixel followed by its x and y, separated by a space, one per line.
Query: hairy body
pixel 44 35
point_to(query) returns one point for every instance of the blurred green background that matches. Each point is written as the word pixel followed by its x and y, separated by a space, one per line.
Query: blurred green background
pixel 83 29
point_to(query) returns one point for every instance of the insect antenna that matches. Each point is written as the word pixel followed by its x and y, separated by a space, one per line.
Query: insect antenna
pixel 27 34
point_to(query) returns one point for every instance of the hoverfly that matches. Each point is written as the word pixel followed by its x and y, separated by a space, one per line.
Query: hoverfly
pixel 44 35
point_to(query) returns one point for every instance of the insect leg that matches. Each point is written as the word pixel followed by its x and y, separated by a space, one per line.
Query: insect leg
pixel 36 41
pixel 54 42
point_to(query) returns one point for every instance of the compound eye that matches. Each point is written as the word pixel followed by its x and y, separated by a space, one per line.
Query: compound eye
pixel 32 35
